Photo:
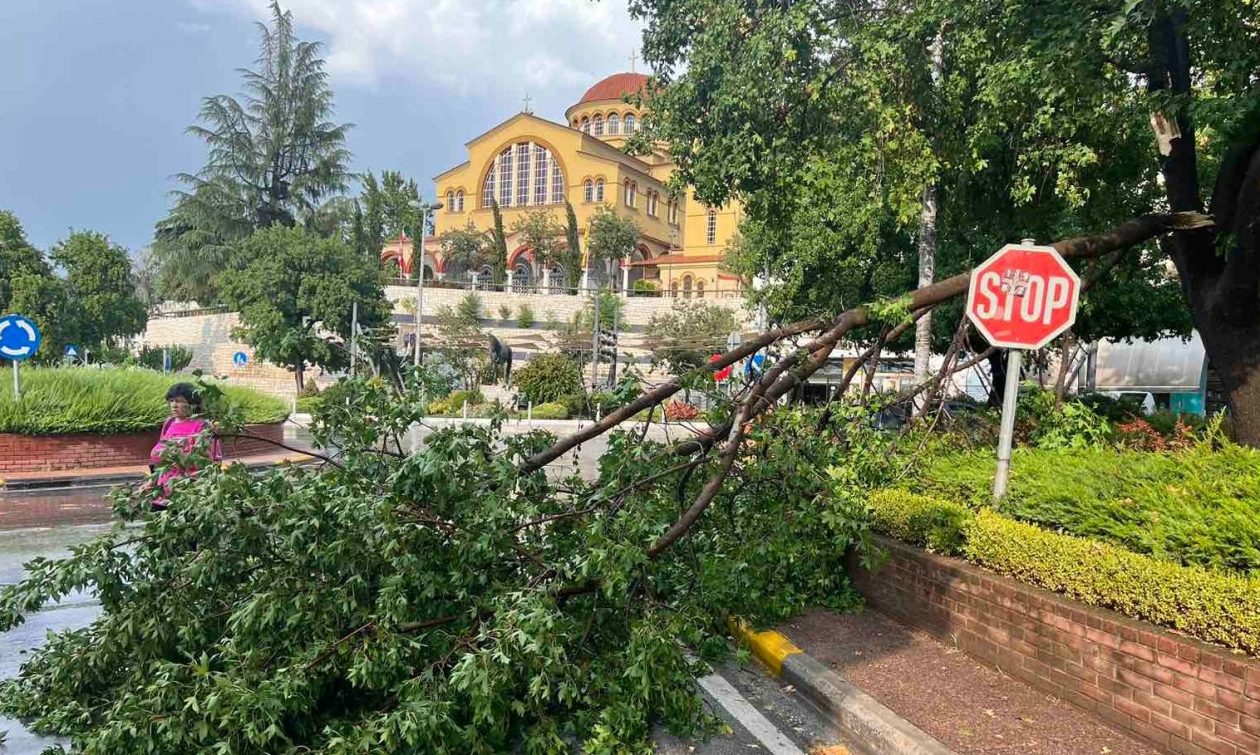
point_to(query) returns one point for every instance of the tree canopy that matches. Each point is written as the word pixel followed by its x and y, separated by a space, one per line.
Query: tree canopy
pixel 610 238
pixel 101 288
pixel 822 117
pixel 295 292
pixel 274 156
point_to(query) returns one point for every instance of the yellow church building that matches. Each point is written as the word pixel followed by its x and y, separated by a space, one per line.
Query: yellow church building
pixel 528 162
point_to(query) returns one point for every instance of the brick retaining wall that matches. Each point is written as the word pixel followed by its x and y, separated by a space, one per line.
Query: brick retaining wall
pixel 51 453
pixel 1179 694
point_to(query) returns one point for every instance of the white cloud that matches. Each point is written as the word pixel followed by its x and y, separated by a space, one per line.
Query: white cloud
pixel 548 48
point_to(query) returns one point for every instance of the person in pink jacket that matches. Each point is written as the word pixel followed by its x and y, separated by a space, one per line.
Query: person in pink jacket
pixel 183 428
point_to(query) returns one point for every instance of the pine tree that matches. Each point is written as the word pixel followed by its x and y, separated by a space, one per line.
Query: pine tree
pixel 498 260
pixel 273 157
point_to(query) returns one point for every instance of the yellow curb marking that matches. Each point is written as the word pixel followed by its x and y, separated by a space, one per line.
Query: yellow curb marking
pixel 770 647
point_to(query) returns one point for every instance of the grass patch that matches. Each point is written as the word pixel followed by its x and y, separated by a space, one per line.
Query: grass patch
pixel 1197 507
pixel 56 401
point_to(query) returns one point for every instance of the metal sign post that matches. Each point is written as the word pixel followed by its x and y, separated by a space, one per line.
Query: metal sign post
pixel 1010 397
pixel 354 336
pixel 1020 298
pixel 19 340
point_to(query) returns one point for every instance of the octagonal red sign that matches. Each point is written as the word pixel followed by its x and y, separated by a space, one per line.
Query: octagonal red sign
pixel 1023 296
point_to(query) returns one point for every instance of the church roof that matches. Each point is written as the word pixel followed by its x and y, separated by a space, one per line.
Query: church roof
pixel 614 87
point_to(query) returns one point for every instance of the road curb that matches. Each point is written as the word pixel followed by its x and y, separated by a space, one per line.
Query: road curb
pixel 858 715
pixel 52 481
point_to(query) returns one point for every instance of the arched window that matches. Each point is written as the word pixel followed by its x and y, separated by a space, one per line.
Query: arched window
pixel 525 173
pixel 673 289
pixel 588 190
pixel 576 124
pixel 522 174
pixel 586 125
pixel 687 287
pixel 459 201
pixel 597 125
pixel 710 229
pixel 542 172
pixel 631 126
pixel 557 182
pixel 614 124
pixel 651 203
pixel 487 191
pixel 450 201
pixel 699 289
pixel 626 198
pixel 505 178
pixel 634 194
pixel 599 190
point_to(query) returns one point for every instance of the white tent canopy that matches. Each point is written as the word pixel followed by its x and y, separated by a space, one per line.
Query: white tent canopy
pixel 1169 365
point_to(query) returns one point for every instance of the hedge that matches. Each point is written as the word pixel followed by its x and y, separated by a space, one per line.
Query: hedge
pixel 551 410
pixel 1196 507
pixel 1219 607
pixel 63 400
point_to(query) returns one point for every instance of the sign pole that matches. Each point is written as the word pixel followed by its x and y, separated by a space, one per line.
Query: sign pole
pixel 1010 397
pixel 17 382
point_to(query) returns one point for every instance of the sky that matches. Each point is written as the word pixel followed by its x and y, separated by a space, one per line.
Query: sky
pixel 95 95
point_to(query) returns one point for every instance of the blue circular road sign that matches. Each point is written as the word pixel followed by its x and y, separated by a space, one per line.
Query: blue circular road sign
pixel 239 359
pixel 19 338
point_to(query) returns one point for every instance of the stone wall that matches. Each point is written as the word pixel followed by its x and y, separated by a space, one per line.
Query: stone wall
pixel 209 335
pixel 51 453
pixel 1181 695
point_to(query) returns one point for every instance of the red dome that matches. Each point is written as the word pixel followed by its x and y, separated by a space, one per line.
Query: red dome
pixel 614 87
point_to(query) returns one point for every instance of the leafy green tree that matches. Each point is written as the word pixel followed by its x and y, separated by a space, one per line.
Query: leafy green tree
pixel 549 377
pixel 759 103
pixel 466 248
pixel 572 259
pixel 295 291
pixel 17 255
pixel 687 335
pixel 461 342
pixel 29 287
pixel 274 156
pixel 499 253
pixel 383 211
pixel 101 289
pixel 610 238
pixel 544 236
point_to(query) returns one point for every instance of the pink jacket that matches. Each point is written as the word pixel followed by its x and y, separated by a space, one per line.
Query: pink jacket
pixel 185 432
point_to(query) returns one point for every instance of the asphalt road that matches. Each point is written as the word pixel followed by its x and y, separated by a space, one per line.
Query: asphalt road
pixel 761 715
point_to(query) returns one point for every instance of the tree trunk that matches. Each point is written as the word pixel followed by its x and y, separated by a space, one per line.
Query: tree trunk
pixel 299 374
pixel 1066 347
pixel 997 376
pixel 1219 267
pixel 927 245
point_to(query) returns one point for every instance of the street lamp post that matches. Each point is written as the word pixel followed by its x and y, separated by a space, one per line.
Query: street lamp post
pixel 424 209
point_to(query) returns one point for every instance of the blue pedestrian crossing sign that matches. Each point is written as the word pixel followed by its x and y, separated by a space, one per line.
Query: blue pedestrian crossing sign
pixel 239 359
pixel 755 363
pixel 19 338
pixel 72 351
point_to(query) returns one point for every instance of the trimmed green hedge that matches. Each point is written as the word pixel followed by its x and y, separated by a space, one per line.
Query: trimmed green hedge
pixel 63 400
pixel 551 410
pixel 1218 607
pixel 1197 507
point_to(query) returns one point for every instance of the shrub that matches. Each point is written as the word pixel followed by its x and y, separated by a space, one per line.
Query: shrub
pixel 151 357
pixel 921 520
pixel 1069 425
pixel 309 404
pixel 505 312
pixel 677 411
pixel 551 410
pixel 1211 606
pixel 453 404
pixel 469 308
pixel 525 316
pixel 1195 507
pixel 548 377
pixel 644 287
pixel 85 400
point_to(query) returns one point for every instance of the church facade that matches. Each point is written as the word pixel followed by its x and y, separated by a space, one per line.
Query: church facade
pixel 526 163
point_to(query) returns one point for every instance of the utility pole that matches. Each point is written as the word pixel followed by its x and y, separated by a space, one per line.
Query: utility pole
pixel 595 345
pixel 417 258
pixel 354 337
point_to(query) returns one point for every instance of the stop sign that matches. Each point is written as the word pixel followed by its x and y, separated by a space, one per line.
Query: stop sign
pixel 1023 296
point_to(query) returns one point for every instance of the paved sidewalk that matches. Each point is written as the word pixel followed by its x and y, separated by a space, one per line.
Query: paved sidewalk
pixel 971 708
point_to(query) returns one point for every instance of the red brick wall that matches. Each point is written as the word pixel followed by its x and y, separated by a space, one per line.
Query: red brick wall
pixel 50 453
pixel 1179 694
